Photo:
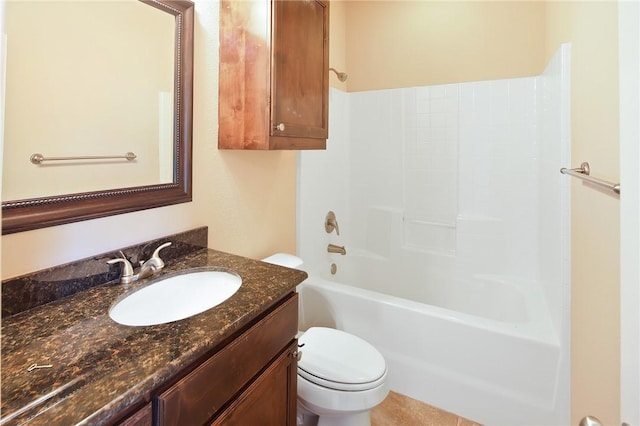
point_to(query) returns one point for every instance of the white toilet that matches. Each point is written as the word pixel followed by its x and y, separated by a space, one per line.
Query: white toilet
pixel 341 377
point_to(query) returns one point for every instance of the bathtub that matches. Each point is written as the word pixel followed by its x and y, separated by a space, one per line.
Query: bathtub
pixel 488 352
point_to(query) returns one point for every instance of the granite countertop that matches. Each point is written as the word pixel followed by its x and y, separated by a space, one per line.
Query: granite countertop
pixel 99 367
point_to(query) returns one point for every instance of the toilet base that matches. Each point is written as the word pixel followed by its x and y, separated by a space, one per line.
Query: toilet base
pixel 305 418
pixel 356 419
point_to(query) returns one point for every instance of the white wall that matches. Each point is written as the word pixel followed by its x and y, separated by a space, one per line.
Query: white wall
pixel 554 208
pixel 629 45
pixel 322 185
pixel 454 170
pixel 553 153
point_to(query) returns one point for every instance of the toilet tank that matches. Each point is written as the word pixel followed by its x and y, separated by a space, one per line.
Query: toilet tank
pixel 284 259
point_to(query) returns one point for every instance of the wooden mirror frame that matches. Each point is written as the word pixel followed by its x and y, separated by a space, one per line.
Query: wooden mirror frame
pixel 34 213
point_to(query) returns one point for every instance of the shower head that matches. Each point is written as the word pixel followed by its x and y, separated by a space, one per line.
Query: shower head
pixel 342 76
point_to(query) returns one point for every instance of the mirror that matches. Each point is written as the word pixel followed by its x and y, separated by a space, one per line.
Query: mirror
pixel 127 86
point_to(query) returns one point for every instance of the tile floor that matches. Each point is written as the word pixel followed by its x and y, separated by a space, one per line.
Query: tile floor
pixel 400 410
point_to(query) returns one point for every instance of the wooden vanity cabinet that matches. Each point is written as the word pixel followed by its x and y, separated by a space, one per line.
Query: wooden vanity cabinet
pixel 250 381
pixel 207 391
pixel 274 74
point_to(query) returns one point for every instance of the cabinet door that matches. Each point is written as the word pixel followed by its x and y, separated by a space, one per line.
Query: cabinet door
pixel 271 399
pixel 300 73
pixel 199 396
pixel 143 417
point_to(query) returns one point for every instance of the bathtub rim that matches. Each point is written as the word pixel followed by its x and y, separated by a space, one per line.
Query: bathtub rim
pixel 538 329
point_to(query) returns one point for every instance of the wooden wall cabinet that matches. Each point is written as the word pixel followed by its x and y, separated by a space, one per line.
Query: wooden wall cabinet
pixel 251 380
pixel 274 74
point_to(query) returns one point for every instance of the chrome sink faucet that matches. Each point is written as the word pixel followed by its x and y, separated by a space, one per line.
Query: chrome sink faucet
pixel 147 268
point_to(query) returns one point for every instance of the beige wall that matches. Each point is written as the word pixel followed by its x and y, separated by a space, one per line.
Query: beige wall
pixel 592 29
pixel 412 43
pixel 246 198
pixel 337 42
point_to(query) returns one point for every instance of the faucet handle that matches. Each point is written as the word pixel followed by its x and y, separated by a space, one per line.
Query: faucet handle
pixel 127 269
pixel 331 223
pixel 158 262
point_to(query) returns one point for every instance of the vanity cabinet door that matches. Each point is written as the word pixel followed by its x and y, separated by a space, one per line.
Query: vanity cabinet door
pixel 274 74
pixel 271 399
pixel 204 392
pixel 142 417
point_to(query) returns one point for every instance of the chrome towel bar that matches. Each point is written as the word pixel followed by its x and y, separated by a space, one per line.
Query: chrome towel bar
pixel 39 158
pixel 583 172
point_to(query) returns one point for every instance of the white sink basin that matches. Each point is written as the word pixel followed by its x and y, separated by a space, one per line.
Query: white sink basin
pixel 176 298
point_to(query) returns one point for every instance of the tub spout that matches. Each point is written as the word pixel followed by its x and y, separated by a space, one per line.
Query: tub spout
pixel 332 248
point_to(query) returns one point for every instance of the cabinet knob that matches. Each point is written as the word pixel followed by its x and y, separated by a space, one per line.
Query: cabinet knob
pixel 297 355
pixel 280 127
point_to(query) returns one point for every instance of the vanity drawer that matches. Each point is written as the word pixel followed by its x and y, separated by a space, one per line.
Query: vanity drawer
pixel 198 396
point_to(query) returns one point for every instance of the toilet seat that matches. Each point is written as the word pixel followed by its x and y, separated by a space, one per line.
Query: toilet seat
pixel 337 360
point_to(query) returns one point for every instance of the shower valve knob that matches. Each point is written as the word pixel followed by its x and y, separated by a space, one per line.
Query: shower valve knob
pixel 331 224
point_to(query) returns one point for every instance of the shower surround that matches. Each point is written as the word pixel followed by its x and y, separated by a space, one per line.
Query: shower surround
pixel 448 194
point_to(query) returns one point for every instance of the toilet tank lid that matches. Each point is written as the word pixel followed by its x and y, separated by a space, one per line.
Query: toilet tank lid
pixel 284 259
pixel 341 357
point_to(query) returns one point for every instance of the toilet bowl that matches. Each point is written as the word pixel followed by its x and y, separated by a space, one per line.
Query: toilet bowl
pixel 341 377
